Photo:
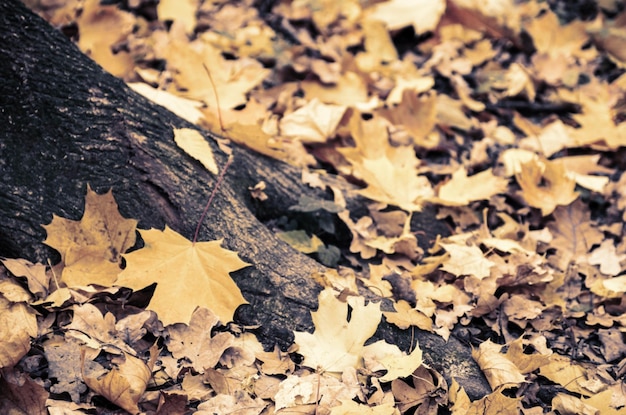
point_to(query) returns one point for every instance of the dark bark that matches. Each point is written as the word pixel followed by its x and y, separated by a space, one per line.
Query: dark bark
pixel 66 124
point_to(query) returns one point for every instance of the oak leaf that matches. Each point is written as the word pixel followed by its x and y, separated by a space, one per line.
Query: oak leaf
pixel 91 248
pixel 188 275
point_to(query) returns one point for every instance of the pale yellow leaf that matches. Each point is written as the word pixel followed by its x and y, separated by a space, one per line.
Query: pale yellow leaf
pixel 423 15
pixel 313 123
pixel 187 275
pixel 337 343
pixel 460 190
pixel 195 145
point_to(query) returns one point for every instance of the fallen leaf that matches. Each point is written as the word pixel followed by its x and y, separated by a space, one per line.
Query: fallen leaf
pixel 196 343
pixel 337 343
pixel 188 275
pixel 18 324
pixel 125 384
pixel 498 369
pixel 337 346
pixel 195 145
pixel 406 316
pixel 241 403
pixel 423 15
pixel 573 234
pixel 461 190
pixel 19 394
pixel 545 185
pixel 314 122
pixel 349 407
pixel 183 12
pixel 91 248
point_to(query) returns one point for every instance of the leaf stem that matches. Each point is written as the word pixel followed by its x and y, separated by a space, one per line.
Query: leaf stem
pixel 219 181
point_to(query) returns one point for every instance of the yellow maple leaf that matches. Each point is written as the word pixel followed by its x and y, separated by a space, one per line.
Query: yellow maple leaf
pixel 315 122
pixel 393 178
pixel 545 185
pixel 338 344
pixel 91 248
pixel 188 275
pixel 466 260
pixel 461 189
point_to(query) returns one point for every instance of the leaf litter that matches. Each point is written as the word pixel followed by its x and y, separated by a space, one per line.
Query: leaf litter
pixel 507 119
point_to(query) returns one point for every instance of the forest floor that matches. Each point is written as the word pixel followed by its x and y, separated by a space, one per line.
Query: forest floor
pixel 508 120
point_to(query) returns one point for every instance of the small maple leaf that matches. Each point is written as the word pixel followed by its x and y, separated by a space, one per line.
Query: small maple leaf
pixel 461 189
pixel 91 248
pixel 545 185
pixel 188 275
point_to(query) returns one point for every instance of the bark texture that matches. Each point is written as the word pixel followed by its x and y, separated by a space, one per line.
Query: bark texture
pixel 66 123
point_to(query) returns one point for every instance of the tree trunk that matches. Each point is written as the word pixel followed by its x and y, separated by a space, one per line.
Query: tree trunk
pixel 66 123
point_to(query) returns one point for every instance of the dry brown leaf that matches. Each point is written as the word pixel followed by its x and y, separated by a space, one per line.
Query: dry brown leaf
pixel 125 384
pixel 18 323
pixel 188 275
pixel 19 394
pixel 497 367
pixel 573 234
pixel 36 276
pixel 195 342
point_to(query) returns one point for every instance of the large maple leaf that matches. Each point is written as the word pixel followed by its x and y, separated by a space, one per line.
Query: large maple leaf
pixel 188 275
pixel 91 248
pixel 338 344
